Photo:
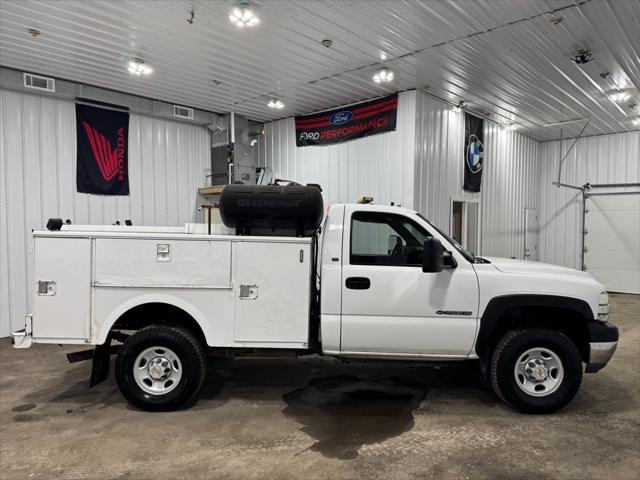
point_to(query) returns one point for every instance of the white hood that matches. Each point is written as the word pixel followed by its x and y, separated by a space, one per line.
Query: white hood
pixel 510 265
pixel 505 276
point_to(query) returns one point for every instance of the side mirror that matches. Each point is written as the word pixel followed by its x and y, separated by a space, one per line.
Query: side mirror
pixel 432 256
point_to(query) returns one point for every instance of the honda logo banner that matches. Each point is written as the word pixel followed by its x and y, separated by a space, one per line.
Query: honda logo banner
pixel 103 132
pixel 473 152
pixel 348 123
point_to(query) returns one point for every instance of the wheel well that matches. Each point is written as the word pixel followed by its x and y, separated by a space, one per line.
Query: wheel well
pixel 565 320
pixel 158 314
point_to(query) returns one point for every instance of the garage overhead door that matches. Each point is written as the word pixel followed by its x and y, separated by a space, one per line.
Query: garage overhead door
pixel 612 240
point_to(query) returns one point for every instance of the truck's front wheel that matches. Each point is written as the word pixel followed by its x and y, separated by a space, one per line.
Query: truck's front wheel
pixel 160 367
pixel 536 370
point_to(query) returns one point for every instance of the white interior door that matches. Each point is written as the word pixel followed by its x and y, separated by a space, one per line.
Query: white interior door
pixel 465 224
pixel 531 231
pixel 612 241
pixel 472 227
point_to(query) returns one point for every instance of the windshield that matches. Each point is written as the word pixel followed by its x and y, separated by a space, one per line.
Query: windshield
pixel 461 250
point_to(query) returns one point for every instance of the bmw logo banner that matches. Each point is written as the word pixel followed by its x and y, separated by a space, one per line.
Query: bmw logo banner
pixel 102 132
pixel 473 152
pixel 348 123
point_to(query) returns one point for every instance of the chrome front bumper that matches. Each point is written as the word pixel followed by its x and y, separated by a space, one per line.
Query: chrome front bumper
pixel 22 338
pixel 603 341
pixel 599 355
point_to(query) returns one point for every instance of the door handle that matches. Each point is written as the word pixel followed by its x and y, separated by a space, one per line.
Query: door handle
pixel 357 283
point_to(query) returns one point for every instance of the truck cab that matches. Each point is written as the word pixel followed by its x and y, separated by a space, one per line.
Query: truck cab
pixel 373 282
pixel 376 300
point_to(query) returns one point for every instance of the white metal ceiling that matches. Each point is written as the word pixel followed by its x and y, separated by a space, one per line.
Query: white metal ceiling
pixel 503 57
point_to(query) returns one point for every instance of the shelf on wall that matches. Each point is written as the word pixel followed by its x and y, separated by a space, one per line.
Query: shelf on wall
pixel 212 190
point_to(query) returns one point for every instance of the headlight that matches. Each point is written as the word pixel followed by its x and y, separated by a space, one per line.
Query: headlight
pixel 603 307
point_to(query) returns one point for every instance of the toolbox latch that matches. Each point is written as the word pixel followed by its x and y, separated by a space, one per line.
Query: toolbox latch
pixel 248 292
pixel 46 287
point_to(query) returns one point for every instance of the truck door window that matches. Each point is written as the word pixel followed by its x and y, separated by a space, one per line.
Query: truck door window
pixel 385 239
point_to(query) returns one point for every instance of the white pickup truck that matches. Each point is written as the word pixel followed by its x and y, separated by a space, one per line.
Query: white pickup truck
pixel 373 282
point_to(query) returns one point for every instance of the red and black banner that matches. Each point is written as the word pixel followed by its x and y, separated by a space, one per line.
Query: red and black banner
pixel 348 123
pixel 103 136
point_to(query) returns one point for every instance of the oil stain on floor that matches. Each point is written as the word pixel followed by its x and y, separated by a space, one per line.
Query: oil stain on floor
pixel 25 407
pixel 343 413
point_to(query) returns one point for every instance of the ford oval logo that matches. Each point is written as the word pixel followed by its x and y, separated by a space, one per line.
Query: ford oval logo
pixel 341 117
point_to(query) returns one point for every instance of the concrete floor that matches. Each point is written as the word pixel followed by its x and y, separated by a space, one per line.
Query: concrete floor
pixel 317 419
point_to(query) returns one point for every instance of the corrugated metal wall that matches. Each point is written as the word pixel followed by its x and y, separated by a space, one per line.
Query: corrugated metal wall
pixel 420 166
pixel 597 160
pixel 509 182
pixel 380 165
pixel 438 159
pixel 167 162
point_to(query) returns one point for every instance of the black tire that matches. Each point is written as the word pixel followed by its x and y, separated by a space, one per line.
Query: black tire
pixel 186 347
pixel 503 379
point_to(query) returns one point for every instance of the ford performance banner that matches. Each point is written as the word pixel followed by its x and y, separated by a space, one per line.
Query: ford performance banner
pixel 473 152
pixel 102 131
pixel 348 123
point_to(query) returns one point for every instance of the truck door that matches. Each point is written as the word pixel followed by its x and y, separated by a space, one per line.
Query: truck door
pixel 390 307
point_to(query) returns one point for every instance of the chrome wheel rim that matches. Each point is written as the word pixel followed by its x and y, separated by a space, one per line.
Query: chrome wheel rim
pixel 539 372
pixel 157 370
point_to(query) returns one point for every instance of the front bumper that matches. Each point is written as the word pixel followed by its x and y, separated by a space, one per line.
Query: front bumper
pixel 603 341
pixel 22 338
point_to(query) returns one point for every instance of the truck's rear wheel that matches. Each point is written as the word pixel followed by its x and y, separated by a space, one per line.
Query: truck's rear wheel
pixel 161 368
pixel 536 370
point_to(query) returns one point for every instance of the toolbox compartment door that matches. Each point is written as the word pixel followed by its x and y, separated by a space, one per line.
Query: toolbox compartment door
pixel 62 282
pixel 163 263
pixel 272 293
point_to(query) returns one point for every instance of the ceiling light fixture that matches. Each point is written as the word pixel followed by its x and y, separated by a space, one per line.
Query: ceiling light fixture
pixel 510 126
pixel 138 67
pixel 459 107
pixel 242 16
pixel 635 122
pixel 583 56
pixel 619 96
pixel 383 76
pixel 275 103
